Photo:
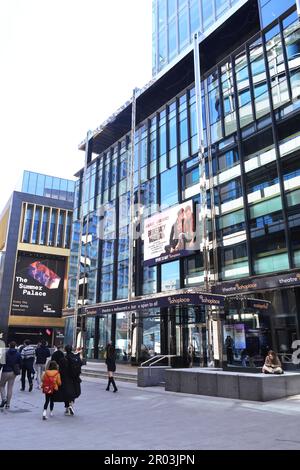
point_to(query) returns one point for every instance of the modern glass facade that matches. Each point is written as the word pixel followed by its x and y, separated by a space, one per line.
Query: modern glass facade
pixel 48 226
pixel 250 103
pixel 35 238
pixel 48 186
pixel 175 22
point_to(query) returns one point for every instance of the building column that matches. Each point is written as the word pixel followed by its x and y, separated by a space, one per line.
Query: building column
pixel 88 158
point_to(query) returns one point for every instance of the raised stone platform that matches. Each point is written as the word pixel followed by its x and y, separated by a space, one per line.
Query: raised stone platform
pixel 151 376
pixel 238 385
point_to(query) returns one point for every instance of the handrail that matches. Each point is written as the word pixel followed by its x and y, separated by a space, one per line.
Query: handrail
pixel 158 358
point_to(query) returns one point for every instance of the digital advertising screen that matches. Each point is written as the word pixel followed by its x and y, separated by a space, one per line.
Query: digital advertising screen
pixel 38 286
pixel 169 234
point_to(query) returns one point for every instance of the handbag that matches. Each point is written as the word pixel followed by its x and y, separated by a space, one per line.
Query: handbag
pixel 16 369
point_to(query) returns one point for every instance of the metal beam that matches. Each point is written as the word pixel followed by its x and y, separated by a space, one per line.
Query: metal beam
pixel 132 209
pixel 298 7
pixel 81 219
pixel 201 155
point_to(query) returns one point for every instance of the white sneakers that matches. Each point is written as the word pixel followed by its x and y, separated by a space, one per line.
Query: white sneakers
pixel 45 415
pixel 69 411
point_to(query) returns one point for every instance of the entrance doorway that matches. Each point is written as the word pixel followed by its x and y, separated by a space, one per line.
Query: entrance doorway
pixel 197 345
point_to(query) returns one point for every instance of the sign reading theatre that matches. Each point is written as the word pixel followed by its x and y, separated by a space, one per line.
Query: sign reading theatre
pixel 38 287
pixel 169 234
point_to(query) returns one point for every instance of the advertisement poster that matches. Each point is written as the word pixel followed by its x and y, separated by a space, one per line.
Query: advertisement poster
pixel 239 336
pixel 169 234
pixel 38 286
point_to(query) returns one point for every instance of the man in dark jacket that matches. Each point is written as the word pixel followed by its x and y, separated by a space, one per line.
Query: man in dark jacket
pixel 10 370
pixel 28 356
pixel 42 353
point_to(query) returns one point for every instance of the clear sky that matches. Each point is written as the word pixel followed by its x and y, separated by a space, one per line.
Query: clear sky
pixel 66 66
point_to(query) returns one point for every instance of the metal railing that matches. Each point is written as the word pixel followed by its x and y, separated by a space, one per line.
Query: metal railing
pixel 158 358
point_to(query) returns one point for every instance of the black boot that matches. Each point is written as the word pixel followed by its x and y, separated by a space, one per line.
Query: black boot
pixel 114 384
pixel 108 384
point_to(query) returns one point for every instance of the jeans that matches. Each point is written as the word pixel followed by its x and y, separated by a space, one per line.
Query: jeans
pixel 9 379
pixel 28 371
pixel 40 369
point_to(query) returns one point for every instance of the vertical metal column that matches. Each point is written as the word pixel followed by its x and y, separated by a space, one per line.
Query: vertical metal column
pixel 202 172
pixel 132 209
pixel 81 219
pixel 298 7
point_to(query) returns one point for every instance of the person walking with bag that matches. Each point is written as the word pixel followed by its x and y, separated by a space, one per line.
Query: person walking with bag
pixel 51 381
pixel 11 369
pixel 110 361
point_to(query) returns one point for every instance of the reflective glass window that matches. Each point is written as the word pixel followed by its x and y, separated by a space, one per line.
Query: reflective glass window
pixel 170 279
pixel 172 39
pixel 122 286
pixel 183 28
pixel 25 182
pixel 172 6
pixel 106 283
pixel 45 222
pixel 194 16
pixel 63 188
pixel 28 222
pixel 271 9
pixel 32 183
pixel 55 188
pixel 52 231
pixel 207 13
pixel 61 226
pixel 48 186
pixel 168 188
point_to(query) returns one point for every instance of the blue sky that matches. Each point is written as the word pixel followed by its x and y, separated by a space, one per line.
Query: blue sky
pixel 66 65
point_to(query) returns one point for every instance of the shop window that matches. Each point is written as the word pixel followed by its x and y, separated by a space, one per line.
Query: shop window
pixel 170 279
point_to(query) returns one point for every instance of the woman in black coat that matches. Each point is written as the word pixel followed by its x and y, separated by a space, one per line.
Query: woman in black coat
pixel 111 366
pixel 70 382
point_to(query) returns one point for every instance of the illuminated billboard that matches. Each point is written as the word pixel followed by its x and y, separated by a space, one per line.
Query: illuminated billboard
pixel 170 234
pixel 38 286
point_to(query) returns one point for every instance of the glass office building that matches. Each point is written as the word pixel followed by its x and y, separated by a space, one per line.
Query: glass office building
pixel 47 186
pixel 250 100
pixel 175 22
pixel 35 237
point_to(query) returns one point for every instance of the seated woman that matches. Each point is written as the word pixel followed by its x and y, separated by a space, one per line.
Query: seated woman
pixel 272 364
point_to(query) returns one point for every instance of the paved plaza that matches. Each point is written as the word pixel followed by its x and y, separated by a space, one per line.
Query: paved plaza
pixel 149 419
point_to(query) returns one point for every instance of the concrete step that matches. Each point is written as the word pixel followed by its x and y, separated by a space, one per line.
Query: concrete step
pixel 122 377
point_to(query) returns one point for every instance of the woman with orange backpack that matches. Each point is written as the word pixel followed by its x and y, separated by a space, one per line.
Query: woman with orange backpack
pixel 51 381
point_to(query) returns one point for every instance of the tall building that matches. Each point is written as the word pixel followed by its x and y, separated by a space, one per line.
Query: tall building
pixel 35 233
pixel 189 239
pixel 176 21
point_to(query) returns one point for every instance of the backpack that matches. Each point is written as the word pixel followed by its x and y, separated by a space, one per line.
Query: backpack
pixel 49 384
pixel 75 364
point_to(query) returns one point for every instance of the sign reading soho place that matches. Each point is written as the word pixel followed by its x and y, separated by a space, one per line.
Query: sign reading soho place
pixel 248 285
pixel 158 302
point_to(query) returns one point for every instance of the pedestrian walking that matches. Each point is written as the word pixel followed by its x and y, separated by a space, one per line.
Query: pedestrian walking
pixel 51 381
pixel 110 361
pixel 28 357
pixel 10 370
pixel 42 353
pixel 70 370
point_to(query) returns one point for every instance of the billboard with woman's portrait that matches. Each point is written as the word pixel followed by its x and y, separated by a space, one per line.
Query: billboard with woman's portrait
pixel 170 234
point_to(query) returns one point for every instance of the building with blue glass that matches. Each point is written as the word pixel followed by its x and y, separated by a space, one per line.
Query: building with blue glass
pixel 192 189
pixel 35 235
